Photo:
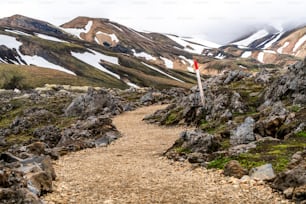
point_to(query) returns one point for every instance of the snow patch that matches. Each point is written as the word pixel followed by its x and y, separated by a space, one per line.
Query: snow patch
pixel 273 41
pixel 17 32
pixel 246 54
pixel 9 42
pixel 116 27
pixel 144 37
pixel 190 62
pixel 189 47
pixel 220 56
pixel 143 55
pixel 269 51
pixel 132 85
pixel 77 31
pixel 41 62
pixel 88 26
pixel 299 43
pixel 168 63
pixel 260 57
pixel 280 50
pixel 46 37
pixel 74 31
pixel 93 58
pixel 190 69
pixel 156 69
pixel 112 36
pixel 246 42
pixel 202 42
pixel 12 43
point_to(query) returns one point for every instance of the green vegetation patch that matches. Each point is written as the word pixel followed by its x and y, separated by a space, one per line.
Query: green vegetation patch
pixel 182 150
pixel 278 153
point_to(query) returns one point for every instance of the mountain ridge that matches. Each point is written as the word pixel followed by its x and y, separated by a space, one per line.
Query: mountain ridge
pixel 118 52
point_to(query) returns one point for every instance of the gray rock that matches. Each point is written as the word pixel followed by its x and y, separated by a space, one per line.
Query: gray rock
pixel 299 193
pixel 196 157
pixel 106 139
pixel 291 85
pixel 50 135
pixel 9 158
pixel 243 148
pixel 295 176
pixel 94 103
pixel 244 133
pixel 264 172
pixel 198 141
pixel 39 183
pixel 235 76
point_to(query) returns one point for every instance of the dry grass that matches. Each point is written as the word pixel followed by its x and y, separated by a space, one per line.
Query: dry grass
pixel 33 76
pixel 131 170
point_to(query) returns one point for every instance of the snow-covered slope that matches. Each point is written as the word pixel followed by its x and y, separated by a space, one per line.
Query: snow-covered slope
pixel 193 45
pixel 12 43
pixel 251 38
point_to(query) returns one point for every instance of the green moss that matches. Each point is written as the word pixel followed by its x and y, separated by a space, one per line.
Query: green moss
pixel 301 134
pixel 17 139
pixel 219 163
pixel 295 108
pixel 225 144
pixel 182 150
pixel 173 117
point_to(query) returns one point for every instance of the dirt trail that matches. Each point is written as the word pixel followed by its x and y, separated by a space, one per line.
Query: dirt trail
pixel 131 170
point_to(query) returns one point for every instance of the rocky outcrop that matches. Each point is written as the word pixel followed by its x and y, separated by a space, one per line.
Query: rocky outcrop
pixel 37 130
pixel 244 133
pixel 196 142
pixel 219 103
pixel 93 103
pixel 292 182
pixel 289 86
pixel 256 120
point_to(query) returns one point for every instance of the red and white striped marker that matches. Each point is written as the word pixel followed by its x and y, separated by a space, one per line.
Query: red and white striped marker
pixel 196 66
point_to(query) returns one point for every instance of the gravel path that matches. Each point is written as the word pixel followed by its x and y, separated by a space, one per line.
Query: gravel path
pixel 131 170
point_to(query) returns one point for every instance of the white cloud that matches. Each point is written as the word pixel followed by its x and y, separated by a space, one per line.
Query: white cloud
pixel 220 20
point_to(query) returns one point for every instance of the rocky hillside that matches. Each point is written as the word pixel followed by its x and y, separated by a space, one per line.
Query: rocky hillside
pixel 267 46
pixel 26 41
pixel 100 52
pixel 248 120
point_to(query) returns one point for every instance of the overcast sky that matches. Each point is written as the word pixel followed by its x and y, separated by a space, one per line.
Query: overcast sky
pixel 215 20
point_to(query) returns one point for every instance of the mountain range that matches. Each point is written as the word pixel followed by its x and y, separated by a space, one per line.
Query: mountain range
pixel 99 52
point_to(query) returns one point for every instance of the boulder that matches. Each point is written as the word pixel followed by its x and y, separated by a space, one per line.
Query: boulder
pixel 198 141
pixel 290 85
pixel 272 118
pixel 233 168
pixel 36 148
pixel 196 157
pixel 50 135
pixel 39 183
pixel 3 179
pixel 299 193
pixel 244 133
pixel 295 176
pixel 9 196
pixel 9 158
pixel 93 103
pixel 263 173
pixel 235 75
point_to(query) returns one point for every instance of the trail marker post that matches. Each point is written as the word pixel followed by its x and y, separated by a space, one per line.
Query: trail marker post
pixel 196 66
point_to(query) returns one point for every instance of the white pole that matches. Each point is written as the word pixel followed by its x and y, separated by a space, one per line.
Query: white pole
pixel 199 82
